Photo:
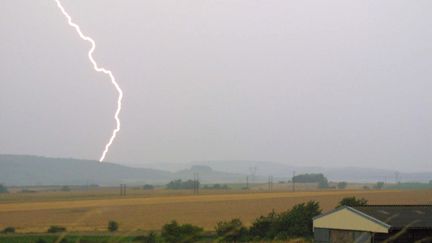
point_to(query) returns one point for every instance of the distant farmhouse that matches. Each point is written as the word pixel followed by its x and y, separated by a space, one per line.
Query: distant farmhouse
pixel 375 223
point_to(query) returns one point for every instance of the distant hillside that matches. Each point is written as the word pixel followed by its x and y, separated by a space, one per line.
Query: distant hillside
pixel 208 175
pixel 263 169
pixel 27 170
pixel 35 170
pixel 352 174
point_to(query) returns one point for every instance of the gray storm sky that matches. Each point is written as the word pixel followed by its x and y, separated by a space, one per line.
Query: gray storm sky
pixel 323 83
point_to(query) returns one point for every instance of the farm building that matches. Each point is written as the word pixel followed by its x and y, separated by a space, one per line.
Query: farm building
pixel 375 223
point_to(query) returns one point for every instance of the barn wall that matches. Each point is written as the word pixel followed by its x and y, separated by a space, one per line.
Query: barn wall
pixel 337 236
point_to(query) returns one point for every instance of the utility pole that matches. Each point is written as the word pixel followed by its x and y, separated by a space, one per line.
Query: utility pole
pixel 293 181
pixel 122 189
pixel 196 183
pixel 247 182
pixel 397 177
pixel 270 183
pixel 253 170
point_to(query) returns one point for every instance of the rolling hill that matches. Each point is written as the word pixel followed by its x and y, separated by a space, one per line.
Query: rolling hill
pixel 35 170
pixel 29 170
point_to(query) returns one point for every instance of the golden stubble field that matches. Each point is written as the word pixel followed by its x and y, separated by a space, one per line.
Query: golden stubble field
pixel 91 212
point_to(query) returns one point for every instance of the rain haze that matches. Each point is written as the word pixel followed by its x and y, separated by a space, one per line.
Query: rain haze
pixel 306 83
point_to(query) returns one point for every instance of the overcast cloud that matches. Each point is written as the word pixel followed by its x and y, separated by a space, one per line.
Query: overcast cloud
pixel 324 83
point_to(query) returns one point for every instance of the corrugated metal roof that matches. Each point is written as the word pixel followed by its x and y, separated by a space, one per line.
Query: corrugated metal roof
pixel 400 216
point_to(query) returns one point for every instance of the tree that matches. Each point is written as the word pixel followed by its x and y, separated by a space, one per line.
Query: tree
pixel 342 185
pixel 3 189
pixel 179 184
pixel 113 226
pixel 352 202
pixel 312 178
pixel 297 222
pixel 323 184
pixel 174 232
pixel 148 187
pixel 379 185
pixel 231 231
pixel 305 178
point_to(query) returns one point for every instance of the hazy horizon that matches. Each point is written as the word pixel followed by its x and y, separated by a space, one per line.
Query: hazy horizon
pixel 302 83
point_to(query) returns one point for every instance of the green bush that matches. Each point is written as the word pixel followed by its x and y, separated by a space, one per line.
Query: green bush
pixel 297 222
pixel 379 185
pixel 174 232
pixel 352 202
pixel 151 237
pixel 342 185
pixel 263 227
pixel 231 231
pixel 8 230
pixel 113 226
pixel 56 229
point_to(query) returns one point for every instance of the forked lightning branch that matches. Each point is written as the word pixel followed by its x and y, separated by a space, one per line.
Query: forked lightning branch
pixel 98 69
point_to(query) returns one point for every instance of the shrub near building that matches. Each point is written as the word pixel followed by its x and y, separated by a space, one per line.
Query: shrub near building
pixel 231 231
pixel 181 233
pixel 296 222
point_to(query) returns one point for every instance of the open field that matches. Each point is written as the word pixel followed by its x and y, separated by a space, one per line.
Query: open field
pixel 91 210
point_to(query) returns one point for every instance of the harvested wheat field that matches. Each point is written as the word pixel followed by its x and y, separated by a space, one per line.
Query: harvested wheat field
pixel 150 212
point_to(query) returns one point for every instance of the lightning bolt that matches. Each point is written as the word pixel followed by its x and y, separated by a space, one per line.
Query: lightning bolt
pixel 101 70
